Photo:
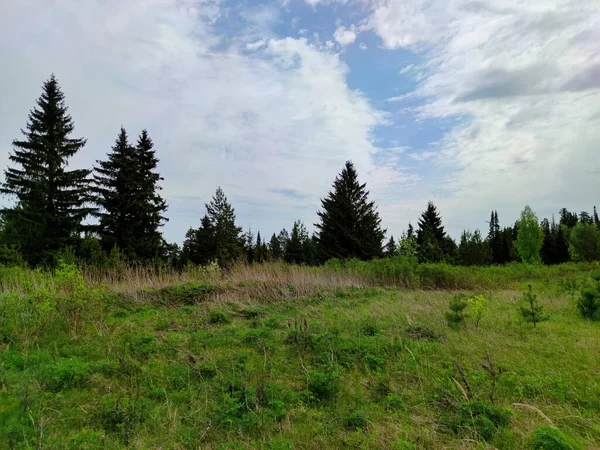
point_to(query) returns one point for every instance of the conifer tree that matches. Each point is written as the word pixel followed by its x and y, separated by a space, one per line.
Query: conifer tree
pixel 131 210
pixel 227 235
pixel 199 246
pixel 349 225
pixel 275 250
pixel 596 220
pixel 261 249
pixel 297 243
pixel 51 200
pixel 473 250
pixel 431 235
pixel 391 249
pixel 494 239
pixel 249 246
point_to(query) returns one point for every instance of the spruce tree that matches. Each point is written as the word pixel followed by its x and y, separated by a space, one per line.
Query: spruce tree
pixel 494 239
pixel 51 200
pixel 349 225
pixel 548 244
pixel 275 250
pixel 431 236
pixel 228 238
pixel 261 249
pixel 199 246
pixel 391 249
pixel 130 208
pixel 596 220
pixel 294 249
pixel 249 246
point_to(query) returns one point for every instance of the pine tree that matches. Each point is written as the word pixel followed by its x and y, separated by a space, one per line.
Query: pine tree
pixel 430 235
pixel 130 208
pixel 51 201
pixel 410 232
pixel 548 244
pixel 349 226
pixel 227 235
pixel 275 249
pixel 391 249
pixel 561 245
pixel 568 218
pixel 596 220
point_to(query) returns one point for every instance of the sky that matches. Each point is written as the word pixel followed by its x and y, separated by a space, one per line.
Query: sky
pixel 474 105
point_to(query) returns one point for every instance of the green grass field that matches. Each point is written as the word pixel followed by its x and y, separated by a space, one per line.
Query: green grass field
pixel 302 360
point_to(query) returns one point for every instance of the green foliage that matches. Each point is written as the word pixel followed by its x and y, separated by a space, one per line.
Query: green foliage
pixel 356 419
pixel 530 237
pixel 456 315
pixel 477 307
pixel 349 224
pixel 323 385
pixel 50 200
pixel 549 438
pixel 401 444
pixel 480 419
pixel 532 312
pixel 218 317
pixel 126 192
pixel 584 242
pixel 473 250
pixel 588 303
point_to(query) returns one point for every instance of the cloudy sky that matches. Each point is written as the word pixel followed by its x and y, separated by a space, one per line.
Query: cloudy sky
pixel 472 104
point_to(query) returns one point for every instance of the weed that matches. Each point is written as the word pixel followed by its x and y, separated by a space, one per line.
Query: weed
pixel 356 419
pixel 477 306
pixel 480 419
pixel 218 317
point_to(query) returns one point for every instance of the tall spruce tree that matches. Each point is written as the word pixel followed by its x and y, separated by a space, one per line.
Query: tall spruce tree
pixel 130 208
pixel 596 219
pixel 51 200
pixel 229 242
pixel 349 225
pixel 494 239
pixel 431 237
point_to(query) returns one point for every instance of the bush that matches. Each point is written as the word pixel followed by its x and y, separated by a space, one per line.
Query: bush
pixel 218 317
pixel 456 315
pixel 480 418
pixel 477 305
pixel 589 302
pixel 322 386
pixel 547 438
pixel 356 419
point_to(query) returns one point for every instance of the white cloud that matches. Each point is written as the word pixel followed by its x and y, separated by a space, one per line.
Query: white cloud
pixel 522 80
pixel 345 36
pixel 281 119
pixel 255 45
pixel 362 46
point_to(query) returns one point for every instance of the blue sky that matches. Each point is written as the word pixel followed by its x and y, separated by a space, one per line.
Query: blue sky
pixel 474 105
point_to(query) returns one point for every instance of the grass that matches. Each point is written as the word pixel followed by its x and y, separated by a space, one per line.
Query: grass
pixel 279 357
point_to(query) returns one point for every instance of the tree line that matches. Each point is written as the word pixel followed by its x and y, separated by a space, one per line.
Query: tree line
pixel 49 218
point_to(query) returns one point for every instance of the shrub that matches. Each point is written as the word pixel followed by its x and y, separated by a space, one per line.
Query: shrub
pixel 480 418
pixel 456 315
pixel 395 402
pixel 369 327
pixel 477 305
pixel 218 317
pixel 532 312
pixel 322 386
pixel 548 438
pixel 589 302
pixel 356 419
